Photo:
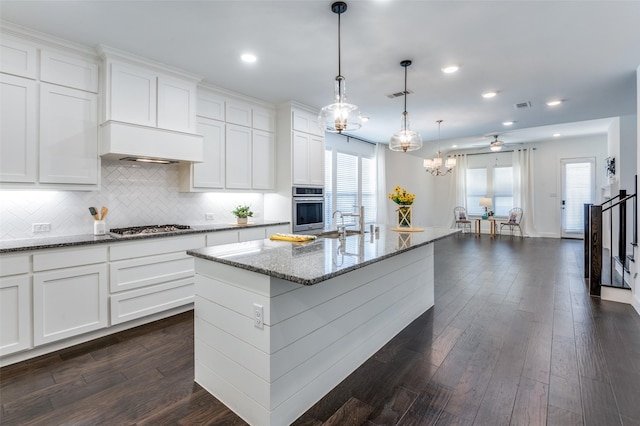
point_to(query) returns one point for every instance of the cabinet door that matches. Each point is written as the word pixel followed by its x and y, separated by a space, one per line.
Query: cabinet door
pixel 300 158
pixel 210 105
pixel 238 113
pixel 17 129
pixel 176 105
pixel 210 173
pixel 304 121
pixel 69 302
pixel 68 136
pixel 69 71
pixel 238 157
pixel 263 165
pixel 133 94
pixel 264 119
pixel 17 58
pixel 316 160
pixel 15 314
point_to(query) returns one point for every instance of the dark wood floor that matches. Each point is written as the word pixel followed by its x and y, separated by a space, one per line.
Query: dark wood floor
pixel 513 339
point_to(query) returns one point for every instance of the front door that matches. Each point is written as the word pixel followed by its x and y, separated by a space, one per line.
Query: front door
pixel 578 188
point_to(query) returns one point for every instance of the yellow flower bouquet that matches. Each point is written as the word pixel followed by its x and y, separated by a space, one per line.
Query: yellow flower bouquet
pixel 404 200
pixel 401 196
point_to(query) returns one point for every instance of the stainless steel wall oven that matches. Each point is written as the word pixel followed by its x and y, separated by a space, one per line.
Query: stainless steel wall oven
pixel 308 209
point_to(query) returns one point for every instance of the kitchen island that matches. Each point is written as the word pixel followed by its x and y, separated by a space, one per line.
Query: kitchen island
pixel 279 324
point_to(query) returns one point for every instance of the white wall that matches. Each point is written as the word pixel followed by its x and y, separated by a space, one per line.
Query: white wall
pixel 636 280
pixel 407 171
pixel 135 193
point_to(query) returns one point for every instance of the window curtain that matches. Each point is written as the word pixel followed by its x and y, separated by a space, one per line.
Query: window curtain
pixel 523 195
pixel 381 211
pixel 458 186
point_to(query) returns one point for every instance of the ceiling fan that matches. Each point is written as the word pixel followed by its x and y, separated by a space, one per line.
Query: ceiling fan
pixel 495 144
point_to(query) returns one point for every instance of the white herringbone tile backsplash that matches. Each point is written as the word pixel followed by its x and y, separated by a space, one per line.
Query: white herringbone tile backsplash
pixel 136 194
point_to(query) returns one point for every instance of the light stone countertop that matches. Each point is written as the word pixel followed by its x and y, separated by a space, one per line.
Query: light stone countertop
pixel 14 246
pixel 315 261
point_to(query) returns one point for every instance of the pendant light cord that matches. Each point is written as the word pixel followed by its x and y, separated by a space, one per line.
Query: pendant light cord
pixel 339 49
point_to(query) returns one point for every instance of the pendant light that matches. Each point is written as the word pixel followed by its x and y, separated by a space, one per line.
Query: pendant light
pixel 405 139
pixel 339 116
pixel 434 166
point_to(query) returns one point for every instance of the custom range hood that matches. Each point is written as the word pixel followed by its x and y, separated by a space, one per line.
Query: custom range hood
pixel 125 141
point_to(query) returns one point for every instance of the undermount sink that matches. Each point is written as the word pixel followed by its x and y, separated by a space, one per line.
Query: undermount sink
pixel 336 234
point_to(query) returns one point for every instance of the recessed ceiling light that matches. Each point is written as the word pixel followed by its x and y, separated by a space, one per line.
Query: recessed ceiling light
pixel 488 95
pixel 450 69
pixel 554 102
pixel 454 146
pixel 556 135
pixel 508 123
pixel 248 57
pixel 364 119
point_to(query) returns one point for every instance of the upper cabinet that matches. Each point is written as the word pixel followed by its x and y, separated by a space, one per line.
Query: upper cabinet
pixel 48 115
pixel 239 145
pixel 139 92
pixel 307 148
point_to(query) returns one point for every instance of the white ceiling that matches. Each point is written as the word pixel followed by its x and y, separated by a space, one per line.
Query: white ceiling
pixel 585 52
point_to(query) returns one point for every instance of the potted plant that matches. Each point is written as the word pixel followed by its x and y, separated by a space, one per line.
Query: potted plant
pixel 242 213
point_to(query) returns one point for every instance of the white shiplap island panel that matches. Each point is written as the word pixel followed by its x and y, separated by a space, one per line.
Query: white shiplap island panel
pixel 328 306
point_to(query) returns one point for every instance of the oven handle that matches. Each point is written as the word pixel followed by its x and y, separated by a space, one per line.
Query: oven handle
pixel 305 199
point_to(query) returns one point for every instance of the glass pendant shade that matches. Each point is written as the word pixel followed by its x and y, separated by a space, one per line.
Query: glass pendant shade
pixel 340 116
pixel 405 139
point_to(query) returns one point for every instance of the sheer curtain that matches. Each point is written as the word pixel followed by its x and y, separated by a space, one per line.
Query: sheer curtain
pixel 523 172
pixel 459 186
pixel 381 210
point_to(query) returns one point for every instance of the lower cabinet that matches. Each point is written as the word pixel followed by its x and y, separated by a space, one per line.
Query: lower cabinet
pixel 15 314
pixel 68 302
pixel 151 276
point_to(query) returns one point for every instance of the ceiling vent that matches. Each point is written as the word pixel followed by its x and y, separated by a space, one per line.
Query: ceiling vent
pixel 399 94
pixel 522 105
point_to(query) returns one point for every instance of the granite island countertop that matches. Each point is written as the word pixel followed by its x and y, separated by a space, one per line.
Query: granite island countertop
pixel 315 261
pixel 27 244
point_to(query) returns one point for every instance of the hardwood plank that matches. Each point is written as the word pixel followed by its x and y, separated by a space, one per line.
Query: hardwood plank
pixel 353 413
pixel 565 394
pixel 428 406
pixel 560 417
pixel 537 365
pixel 563 358
pixel 441 346
pixel 390 411
pixel 530 406
pixel 598 403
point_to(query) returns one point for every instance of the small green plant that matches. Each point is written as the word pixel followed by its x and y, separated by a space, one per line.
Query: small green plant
pixel 242 211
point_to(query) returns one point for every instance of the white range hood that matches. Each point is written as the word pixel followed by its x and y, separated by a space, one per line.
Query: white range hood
pixel 131 141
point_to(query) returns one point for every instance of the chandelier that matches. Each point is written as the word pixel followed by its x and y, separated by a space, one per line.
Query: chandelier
pixel 339 116
pixel 405 139
pixel 434 166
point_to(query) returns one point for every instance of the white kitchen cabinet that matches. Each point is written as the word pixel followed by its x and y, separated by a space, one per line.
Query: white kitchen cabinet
pixel 237 112
pixel 307 159
pixel 250 234
pixel 68 136
pixel 69 302
pixel 210 173
pixel 131 95
pixel 151 276
pixel 222 237
pixel 176 104
pixel 238 157
pixel 210 105
pixel 263 119
pixel 263 160
pixel 69 70
pixel 18 103
pixel 15 304
pixel 18 57
pixel 69 293
pixel 305 121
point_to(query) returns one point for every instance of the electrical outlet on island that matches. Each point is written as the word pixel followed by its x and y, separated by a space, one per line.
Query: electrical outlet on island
pixel 40 227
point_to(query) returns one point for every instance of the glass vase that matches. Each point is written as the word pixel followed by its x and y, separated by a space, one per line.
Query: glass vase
pixel 404 217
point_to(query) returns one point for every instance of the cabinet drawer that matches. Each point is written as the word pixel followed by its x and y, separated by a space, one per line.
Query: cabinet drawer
pixel 282 229
pixel 69 302
pixel 154 246
pixel 15 314
pixel 145 271
pixel 249 234
pixel 14 264
pixel 69 71
pixel 64 258
pixel 134 304
pixel 222 237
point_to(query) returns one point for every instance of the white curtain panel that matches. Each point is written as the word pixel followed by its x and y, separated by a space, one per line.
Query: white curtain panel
pixel 381 209
pixel 523 195
pixel 459 186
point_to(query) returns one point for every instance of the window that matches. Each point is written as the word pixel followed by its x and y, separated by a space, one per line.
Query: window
pixel 350 179
pixel 492 181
